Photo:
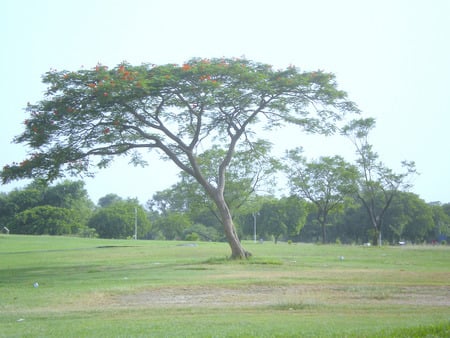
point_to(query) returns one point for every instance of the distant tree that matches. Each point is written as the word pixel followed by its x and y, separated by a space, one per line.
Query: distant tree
pixel 45 220
pixel 70 195
pixel 446 208
pixel 409 218
pixel 108 200
pixel 21 204
pixel 377 184
pixel 177 110
pixel 117 220
pixel 441 221
pixel 204 233
pixel 353 224
pixel 283 217
pixel 26 198
pixel 171 226
pixel 326 182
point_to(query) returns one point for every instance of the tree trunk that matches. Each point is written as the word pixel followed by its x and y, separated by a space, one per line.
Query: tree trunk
pixel 237 250
pixel 324 234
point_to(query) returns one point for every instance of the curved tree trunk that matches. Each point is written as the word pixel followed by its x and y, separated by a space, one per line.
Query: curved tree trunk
pixel 237 250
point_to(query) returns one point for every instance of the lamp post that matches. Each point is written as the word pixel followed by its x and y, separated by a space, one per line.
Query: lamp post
pixel 135 223
pixel 254 225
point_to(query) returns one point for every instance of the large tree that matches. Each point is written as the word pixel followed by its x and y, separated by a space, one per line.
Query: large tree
pixel 175 109
pixel 377 184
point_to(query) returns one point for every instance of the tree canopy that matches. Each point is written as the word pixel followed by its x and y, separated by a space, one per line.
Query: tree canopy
pixel 377 184
pixel 101 113
pixel 326 182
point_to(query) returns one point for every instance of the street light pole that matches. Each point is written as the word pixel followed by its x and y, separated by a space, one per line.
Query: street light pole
pixel 135 223
pixel 254 226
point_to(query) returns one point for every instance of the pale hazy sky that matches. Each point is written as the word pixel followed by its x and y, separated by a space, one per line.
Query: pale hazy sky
pixel 391 56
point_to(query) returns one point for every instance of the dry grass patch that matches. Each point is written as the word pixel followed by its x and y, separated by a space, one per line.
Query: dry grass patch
pixel 264 295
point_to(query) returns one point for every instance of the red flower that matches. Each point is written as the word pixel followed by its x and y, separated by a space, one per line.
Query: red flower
pixel 205 77
pixel 106 131
pixel 186 67
pixel 105 94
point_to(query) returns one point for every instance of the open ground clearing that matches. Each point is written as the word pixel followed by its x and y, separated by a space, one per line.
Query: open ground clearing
pixel 107 288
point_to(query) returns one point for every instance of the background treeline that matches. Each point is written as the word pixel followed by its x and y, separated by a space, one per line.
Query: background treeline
pixel 182 213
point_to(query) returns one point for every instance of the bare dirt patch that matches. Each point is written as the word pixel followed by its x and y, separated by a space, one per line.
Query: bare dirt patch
pixel 255 295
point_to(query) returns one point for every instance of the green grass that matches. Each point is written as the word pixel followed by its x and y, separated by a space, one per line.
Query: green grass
pixel 125 288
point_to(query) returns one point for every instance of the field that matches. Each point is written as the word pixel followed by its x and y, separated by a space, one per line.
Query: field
pixel 125 288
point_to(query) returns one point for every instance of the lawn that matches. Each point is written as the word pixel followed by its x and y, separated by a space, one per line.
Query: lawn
pixel 126 288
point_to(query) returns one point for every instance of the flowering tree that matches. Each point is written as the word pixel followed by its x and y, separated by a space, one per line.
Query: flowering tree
pixel 102 113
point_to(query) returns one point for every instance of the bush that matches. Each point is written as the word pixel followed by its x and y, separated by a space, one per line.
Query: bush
pixel 203 233
pixel 192 237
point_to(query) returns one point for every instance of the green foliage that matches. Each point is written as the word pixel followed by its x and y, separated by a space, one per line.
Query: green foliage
pixel 65 206
pixel 327 182
pixel 171 226
pixel 283 217
pixel 45 220
pixel 108 200
pixel 90 116
pixel 108 112
pixel 410 218
pixel 204 233
pixel 377 184
pixel 117 220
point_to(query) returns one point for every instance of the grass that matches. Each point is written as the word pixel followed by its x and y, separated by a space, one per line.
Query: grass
pixel 124 288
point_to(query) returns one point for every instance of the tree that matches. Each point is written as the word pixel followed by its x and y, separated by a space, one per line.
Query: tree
pixel 441 221
pixel 377 184
pixel 46 220
pixel 109 199
pixel 326 182
pixel 283 217
pixel 171 226
pixel 38 199
pixel 117 220
pixel 410 218
pixel 248 171
pixel 177 110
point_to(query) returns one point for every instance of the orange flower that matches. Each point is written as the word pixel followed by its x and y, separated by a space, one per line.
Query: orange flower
pixel 121 69
pixel 186 67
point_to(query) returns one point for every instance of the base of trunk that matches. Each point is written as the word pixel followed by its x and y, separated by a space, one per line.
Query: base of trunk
pixel 241 255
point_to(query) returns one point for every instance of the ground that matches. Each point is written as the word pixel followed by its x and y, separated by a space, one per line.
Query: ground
pixel 308 295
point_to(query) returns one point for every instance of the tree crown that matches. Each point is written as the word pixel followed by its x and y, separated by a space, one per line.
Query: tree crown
pixel 104 112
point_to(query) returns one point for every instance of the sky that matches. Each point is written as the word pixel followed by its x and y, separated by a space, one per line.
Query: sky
pixel 392 57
